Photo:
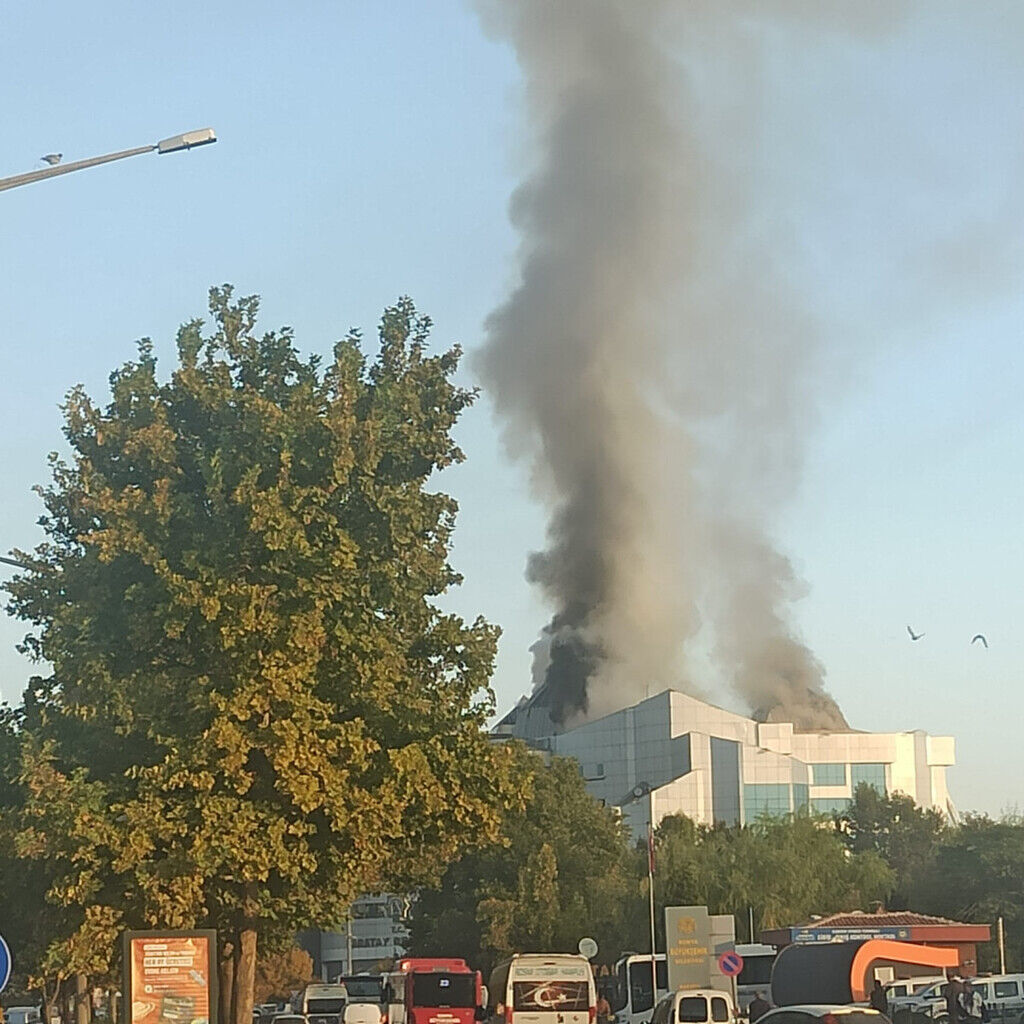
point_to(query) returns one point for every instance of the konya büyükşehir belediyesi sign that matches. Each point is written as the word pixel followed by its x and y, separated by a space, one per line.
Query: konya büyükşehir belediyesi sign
pixel 170 977
pixel 688 945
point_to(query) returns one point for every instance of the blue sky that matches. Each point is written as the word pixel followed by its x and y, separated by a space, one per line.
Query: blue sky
pixel 369 150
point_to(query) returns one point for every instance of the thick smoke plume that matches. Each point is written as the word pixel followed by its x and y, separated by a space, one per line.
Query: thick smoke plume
pixel 649 364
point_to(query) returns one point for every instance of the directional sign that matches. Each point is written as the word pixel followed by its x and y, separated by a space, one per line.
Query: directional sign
pixel 5 964
pixel 730 964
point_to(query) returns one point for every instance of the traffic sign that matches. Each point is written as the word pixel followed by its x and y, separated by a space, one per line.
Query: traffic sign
pixel 5 964
pixel 588 948
pixel 730 964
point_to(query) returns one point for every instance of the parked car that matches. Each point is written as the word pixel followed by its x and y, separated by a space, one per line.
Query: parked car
pixel 823 1013
pixel 696 1006
pixel 363 1013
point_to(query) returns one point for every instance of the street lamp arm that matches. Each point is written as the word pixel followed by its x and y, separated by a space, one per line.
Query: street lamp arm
pixel 15 563
pixel 77 165
pixel 174 144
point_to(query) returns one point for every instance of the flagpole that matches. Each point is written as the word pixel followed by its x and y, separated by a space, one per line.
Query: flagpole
pixel 650 893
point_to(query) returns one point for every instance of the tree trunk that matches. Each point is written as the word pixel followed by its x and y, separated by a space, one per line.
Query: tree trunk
pixel 83 1000
pixel 227 984
pixel 51 1001
pixel 245 975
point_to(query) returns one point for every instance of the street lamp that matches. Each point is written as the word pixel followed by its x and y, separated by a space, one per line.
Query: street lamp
pixel 15 563
pixel 187 140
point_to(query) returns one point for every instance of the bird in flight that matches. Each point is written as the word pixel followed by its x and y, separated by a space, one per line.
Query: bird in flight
pixel 52 158
pixel 913 635
pixel 979 636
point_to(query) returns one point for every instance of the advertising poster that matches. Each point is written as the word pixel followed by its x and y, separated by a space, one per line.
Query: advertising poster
pixel 170 977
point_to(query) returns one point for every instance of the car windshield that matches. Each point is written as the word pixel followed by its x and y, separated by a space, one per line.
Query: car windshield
pixel 363 988
pixel 333 1005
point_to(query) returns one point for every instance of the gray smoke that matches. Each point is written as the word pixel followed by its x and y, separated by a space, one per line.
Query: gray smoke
pixel 650 365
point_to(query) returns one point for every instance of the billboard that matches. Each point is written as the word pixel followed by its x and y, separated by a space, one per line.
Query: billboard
pixel 170 977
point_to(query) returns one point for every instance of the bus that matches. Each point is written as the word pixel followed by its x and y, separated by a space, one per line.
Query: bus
pixel 543 988
pixel 756 976
pixel 632 997
pixel 363 988
pixel 427 990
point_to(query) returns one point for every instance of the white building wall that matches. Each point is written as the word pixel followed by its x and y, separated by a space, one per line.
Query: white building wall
pixel 655 758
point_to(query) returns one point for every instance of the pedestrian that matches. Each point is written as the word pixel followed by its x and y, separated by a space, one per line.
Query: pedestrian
pixel 879 1000
pixel 954 1010
pixel 604 1008
pixel 758 1007
pixel 971 1003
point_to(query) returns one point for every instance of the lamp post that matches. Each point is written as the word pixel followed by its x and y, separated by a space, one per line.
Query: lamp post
pixel 15 563
pixel 174 144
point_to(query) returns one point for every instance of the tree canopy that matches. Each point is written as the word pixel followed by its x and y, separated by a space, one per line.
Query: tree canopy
pixel 256 709
pixel 784 869
pixel 564 869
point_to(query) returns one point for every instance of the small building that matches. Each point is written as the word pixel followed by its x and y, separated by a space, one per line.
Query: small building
pixel 899 925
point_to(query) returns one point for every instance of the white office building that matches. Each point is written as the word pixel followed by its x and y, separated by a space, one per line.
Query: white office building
pixel 673 754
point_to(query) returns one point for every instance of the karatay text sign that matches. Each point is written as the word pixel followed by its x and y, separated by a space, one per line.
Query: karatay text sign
pixel 688 943
pixel 170 977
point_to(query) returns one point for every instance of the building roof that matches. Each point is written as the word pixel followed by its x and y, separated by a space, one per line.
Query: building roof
pixel 883 919
pixel 857 925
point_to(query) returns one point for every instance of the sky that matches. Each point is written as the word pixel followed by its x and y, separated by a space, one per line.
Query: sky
pixel 368 151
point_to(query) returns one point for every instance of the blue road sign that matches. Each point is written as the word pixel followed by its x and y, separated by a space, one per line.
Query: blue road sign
pixel 5 964
pixel 730 964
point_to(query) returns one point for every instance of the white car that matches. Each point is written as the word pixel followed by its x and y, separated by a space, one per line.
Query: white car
pixel 362 1013
pixel 823 1013
pixel 696 1006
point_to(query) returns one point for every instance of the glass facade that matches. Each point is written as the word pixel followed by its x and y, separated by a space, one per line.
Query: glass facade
pixel 869 774
pixel 830 804
pixel 801 796
pixel 828 774
pixel 765 798
pixel 725 781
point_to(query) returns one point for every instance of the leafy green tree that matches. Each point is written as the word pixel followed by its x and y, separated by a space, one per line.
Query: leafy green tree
pixel 564 869
pixel 977 875
pixel 256 709
pixel 784 868
pixel 905 836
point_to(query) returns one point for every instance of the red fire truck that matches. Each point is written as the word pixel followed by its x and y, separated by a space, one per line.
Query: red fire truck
pixel 424 990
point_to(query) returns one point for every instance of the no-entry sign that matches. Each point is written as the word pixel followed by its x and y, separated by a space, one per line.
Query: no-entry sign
pixel 730 964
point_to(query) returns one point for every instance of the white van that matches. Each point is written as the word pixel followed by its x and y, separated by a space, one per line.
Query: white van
pixel 1002 994
pixel 323 1004
pixel 544 988
pixel 695 1006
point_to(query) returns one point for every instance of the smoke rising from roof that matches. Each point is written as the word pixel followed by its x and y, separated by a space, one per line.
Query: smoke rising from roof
pixel 651 365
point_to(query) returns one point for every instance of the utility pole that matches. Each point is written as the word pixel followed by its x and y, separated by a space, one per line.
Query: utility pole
pixel 650 893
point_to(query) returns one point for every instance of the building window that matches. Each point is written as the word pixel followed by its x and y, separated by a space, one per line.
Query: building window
pixel 725 781
pixel 593 772
pixel 869 774
pixel 801 796
pixel 830 804
pixel 828 774
pixel 765 799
